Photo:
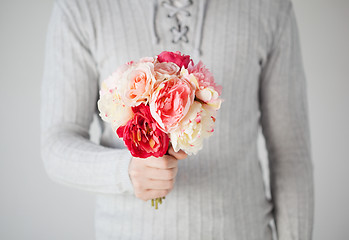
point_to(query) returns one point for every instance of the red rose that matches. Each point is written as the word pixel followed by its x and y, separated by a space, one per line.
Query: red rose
pixel 142 136
pixel 175 57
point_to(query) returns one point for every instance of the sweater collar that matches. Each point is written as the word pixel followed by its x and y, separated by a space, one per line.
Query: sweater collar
pixel 178 10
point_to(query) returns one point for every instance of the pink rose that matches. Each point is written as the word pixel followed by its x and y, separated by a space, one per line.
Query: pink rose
pixel 171 101
pixel 175 57
pixel 165 70
pixel 204 77
pixel 142 136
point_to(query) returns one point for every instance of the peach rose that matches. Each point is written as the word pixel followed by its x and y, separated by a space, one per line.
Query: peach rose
pixel 136 83
pixel 147 59
pixel 171 101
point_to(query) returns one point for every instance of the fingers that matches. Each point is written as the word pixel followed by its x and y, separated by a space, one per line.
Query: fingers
pixel 161 174
pixel 165 162
pixel 151 189
pixel 161 185
pixel 180 155
pixel 154 177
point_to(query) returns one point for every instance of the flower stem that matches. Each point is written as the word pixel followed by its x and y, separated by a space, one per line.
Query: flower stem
pixel 156 202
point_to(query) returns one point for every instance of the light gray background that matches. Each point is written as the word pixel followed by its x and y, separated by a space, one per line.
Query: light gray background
pixel 33 207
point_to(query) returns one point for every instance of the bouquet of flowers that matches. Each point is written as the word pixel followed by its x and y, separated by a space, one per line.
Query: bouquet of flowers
pixel 159 100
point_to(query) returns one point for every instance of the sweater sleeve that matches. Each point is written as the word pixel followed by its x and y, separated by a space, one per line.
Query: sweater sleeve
pixel 69 94
pixel 284 120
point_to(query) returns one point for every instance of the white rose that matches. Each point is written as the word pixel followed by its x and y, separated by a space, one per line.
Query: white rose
pixel 197 125
pixel 111 107
pixel 209 96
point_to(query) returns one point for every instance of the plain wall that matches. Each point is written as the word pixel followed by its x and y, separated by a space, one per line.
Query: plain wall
pixel 33 207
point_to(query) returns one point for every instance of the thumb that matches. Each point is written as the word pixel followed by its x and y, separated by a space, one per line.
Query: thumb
pixel 180 155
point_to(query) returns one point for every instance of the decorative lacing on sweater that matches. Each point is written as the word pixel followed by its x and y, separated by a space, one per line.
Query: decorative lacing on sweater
pixel 179 32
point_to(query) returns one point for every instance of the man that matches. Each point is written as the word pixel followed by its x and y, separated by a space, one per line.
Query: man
pixel 252 48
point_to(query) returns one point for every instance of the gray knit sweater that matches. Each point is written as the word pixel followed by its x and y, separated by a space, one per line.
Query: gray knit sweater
pixel 252 48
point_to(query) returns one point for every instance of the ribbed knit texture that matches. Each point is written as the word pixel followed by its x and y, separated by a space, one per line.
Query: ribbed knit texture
pixel 252 48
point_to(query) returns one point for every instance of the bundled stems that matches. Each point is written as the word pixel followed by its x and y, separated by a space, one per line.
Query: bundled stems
pixel 157 201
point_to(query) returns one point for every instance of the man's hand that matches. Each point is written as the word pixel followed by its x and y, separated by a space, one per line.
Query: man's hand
pixel 154 177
